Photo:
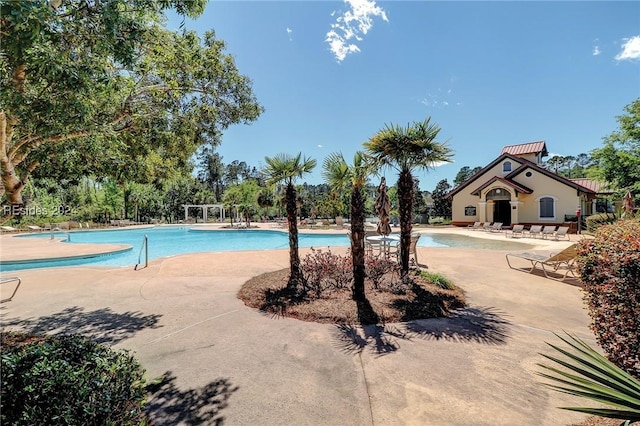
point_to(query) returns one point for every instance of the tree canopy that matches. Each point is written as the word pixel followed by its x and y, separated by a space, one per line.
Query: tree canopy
pixel 618 162
pixel 102 87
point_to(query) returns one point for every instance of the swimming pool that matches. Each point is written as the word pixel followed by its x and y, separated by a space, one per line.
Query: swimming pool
pixel 172 240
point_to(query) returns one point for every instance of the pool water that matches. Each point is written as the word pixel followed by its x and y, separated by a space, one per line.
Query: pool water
pixel 171 240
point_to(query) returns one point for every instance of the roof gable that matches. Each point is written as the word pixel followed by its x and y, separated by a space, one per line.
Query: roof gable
pixel 515 185
pixel 530 165
pixel 477 175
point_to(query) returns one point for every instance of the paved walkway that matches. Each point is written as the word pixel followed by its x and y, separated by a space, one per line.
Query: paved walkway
pixel 222 360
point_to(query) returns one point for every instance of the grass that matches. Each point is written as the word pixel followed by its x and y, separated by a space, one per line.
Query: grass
pixel 415 298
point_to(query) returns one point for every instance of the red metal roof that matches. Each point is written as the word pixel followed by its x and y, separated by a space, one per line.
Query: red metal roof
pixel 594 185
pixel 525 148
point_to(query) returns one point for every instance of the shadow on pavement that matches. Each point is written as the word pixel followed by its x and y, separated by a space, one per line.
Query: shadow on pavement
pixel 473 324
pixel 169 405
pixel 102 325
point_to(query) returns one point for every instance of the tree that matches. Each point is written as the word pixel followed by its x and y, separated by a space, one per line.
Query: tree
pixel 244 196
pixel 101 87
pixel 465 173
pixel 405 149
pixel 285 169
pixel 441 203
pixel 618 162
pixel 341 176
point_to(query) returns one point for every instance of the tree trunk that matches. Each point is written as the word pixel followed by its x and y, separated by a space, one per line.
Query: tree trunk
pixel 11 183
pixel 357 244
pixel 295 276
pixel 405 209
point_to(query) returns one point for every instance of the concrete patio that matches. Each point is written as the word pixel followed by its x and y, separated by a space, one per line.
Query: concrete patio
pixel 222 361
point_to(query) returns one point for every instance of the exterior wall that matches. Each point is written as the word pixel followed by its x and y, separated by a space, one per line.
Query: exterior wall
pixel 463 198
pixel 566 198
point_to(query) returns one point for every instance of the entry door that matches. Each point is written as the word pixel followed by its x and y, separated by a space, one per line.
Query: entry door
pixel 502 212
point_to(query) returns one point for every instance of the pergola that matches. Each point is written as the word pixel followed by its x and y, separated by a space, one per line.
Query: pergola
pixel 205 209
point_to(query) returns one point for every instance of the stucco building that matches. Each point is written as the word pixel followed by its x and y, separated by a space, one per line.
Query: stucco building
pixel 515 189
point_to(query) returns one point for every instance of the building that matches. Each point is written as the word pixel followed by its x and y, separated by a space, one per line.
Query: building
pixel 515 189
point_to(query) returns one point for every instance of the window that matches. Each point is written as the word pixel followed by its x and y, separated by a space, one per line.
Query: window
pixel 470 211
pixel 506 166
pixel 547 207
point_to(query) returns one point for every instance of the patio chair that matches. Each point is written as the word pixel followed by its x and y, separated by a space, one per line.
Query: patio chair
pixel 561 232
pixel 475 226
pixel 486 226
pixel 548 230
pixel 495 227
pixel 559 263
pixel 515 231
pixel 535 230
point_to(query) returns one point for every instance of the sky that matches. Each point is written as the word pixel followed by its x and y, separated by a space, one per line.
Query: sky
pixel 331 74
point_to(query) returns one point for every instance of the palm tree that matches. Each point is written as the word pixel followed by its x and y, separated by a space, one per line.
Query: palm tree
pixel 405 149
pixel 340 176
pixel 285 169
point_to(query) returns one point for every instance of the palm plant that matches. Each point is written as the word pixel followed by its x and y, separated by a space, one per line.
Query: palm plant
pixel 594 377
pixel 405 149
pixel 285 169
pixel 340 176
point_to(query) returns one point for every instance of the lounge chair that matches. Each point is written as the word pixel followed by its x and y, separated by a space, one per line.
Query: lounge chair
pixel 475 226
pixel 535 230
pixel 548 230
pixel 35 228
pixel 486 226
pixel 560 263
pixel 515 231
pixel 9 229
pixel 495 227
pixel 561 232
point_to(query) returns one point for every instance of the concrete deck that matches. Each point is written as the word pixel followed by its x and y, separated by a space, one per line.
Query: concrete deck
pixel 221 360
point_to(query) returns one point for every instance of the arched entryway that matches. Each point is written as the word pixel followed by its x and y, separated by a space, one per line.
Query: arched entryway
pixel 501 205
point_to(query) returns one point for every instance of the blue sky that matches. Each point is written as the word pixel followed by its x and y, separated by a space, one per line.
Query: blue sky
pixel 330 74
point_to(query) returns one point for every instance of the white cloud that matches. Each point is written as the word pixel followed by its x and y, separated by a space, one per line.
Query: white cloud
pixel 596 49
pixel 351 26
pixel 320 146
pixel 289 32
pixel 630 49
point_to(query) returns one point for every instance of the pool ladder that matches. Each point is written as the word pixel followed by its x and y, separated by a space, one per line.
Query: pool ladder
pixel 145 246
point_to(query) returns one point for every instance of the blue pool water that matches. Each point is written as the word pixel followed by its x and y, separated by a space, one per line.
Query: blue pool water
pixel 168 241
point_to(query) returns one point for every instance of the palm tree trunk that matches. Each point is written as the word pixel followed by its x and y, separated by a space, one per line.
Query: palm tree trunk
pixel 357 244
pixel 405 207
pixel 295 276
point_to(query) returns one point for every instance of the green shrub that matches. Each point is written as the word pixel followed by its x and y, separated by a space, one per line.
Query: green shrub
pixel 609 267
pixel 70 380
pixel 597 220
pixel 438 280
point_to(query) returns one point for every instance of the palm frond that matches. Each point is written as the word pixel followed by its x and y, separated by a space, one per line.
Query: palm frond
pixel 588 374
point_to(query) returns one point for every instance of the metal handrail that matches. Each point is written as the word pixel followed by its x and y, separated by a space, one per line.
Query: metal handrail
pixel 145 246
pixel 15 290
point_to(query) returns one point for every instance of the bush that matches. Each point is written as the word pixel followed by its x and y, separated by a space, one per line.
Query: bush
pixel 323 270
pixel 609 267
pixel 597 220
pixel 380 267
pixel 70 380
